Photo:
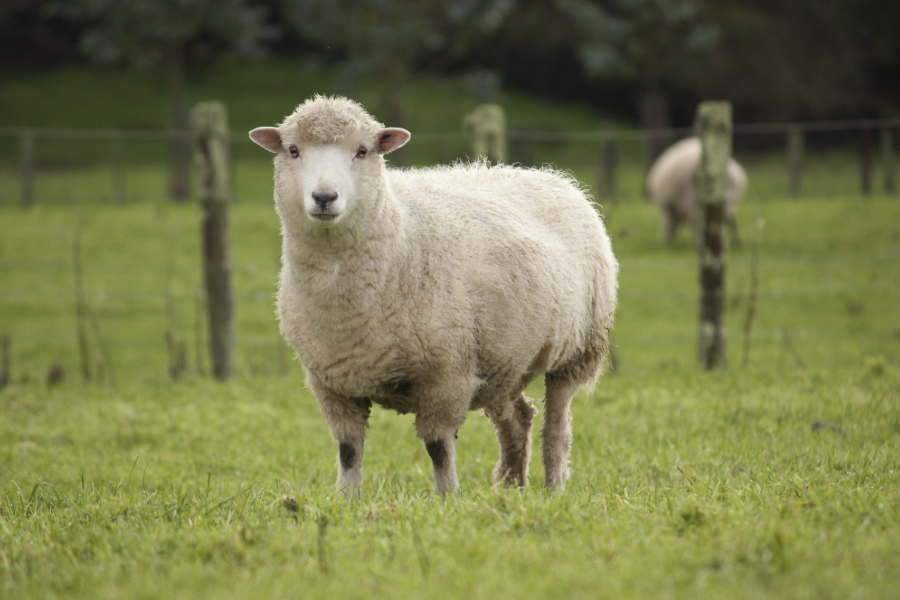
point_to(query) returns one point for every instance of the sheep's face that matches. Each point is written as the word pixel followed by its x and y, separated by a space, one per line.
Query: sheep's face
pixel 323 184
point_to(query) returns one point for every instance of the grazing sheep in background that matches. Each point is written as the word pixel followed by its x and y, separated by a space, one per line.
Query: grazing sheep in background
pixel 435 291
pixel 673 188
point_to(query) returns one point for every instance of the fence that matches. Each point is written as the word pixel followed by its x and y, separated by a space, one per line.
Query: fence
pixel 148 317
pixel 783 160
pixel 164 297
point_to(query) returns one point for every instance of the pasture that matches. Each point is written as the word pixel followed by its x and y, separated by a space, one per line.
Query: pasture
pixel 780 478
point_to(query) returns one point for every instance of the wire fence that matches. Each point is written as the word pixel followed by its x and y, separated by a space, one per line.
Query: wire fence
pixel 784 160
pixel 170 305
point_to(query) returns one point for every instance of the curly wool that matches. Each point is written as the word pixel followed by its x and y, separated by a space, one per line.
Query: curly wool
pixel 330 119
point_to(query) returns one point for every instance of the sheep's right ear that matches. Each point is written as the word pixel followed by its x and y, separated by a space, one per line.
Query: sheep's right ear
pixel 269 138
pixel 390 139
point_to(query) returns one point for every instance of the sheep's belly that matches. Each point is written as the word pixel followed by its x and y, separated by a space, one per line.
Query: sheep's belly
pixel 401 404
pixel 382 375
pixel 391 392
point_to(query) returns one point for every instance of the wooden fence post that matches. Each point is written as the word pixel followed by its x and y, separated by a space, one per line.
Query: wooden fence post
pixel 210 125
pixel 714 128
pixel 795 159
pixel 887 159
pixel 27 149
pixel 486 126
pixel 865 163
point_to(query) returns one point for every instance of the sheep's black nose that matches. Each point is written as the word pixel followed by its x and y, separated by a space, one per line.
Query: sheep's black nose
pixel 323 198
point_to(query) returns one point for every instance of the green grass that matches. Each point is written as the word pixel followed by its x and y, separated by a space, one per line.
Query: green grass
pixel 685 484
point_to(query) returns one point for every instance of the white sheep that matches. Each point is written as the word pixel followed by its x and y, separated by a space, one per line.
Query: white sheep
pixel 435 291
pixel 672 185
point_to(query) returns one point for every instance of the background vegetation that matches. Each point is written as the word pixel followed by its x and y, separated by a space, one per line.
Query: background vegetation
pixel 648 60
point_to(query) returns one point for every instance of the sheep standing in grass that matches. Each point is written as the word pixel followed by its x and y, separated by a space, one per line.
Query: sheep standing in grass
pixel 672 184
pixel 435 291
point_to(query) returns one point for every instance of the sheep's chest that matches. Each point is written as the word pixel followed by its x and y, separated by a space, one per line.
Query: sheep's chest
pixel 360 354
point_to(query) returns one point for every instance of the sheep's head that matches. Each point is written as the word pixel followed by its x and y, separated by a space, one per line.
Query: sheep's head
pixel 329 159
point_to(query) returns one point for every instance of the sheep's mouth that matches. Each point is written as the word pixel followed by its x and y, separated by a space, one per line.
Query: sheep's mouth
pixel 324 217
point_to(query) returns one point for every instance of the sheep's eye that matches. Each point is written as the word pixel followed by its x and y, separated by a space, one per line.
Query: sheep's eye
pixel 361 153
pixel 293 150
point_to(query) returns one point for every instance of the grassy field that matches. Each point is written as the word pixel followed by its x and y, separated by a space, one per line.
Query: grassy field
pixel 778 478
pixel 685 486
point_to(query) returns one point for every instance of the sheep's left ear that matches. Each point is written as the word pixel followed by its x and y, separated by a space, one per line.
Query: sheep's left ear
pixel 269 138
pixel 390 139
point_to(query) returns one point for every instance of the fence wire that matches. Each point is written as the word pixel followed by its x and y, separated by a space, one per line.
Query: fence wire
pixel 52 165
pixel 799 159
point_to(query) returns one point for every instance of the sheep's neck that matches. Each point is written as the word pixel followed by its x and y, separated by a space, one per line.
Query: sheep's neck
pixel 331 267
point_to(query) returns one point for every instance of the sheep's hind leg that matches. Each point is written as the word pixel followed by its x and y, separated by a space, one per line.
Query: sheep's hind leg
pixel 513 426
pixel 556 436
pixel 347 419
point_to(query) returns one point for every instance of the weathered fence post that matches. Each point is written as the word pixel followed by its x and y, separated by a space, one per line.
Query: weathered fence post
pixel 27 150
pixel 210 125
pixel 486 126
pixel 887 159
pixel 795 159
pixel 606 169
pixel 713 127
pixel 865 160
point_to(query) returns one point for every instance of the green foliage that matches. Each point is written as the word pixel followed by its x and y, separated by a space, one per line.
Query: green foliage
pixel 378 37
pixel 634 39
pixel 389 40
pixel 144 33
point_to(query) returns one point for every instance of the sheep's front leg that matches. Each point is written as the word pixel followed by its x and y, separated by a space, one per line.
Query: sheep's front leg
pixel 438 431
pixel 347 419
pixel 442 451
